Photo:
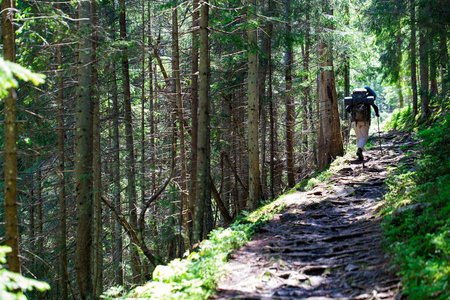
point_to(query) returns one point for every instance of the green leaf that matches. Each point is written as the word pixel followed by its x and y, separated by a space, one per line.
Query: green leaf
pixel 8 73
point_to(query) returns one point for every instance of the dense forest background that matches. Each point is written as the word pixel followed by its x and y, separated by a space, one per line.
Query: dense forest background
pixel 161 120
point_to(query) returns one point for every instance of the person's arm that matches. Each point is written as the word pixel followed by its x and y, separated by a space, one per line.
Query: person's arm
pixel 376 110
pixel 371 92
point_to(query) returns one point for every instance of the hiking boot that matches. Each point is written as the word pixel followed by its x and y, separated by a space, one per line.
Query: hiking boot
pixel 359 153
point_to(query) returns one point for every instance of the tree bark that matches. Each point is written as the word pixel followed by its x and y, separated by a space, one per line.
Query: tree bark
pixel 333 142
pixel 443 53
pixel 272 110
pixel 83 158
pixel 180 113
pixel 398 74
pixel 97 254
pixel 423 65
pixel 203 160
pixel 253 111
pixel 413 56
pixel 115 167
pixel 129 139
pixel 194 106
pixel 117 253
pixel 10 200
pixel 433 72
pixel 290 113
pixel 307 107
pixel 62 245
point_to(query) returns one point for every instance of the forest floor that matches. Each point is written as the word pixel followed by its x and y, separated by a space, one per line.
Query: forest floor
pixel 327 243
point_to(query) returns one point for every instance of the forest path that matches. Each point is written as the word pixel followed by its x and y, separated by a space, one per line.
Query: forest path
pixel 327 243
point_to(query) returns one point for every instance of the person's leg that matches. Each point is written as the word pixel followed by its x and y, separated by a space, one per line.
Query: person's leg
pixel 362 135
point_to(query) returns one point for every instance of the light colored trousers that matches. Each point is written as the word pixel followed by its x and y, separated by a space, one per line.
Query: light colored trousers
pixel 362 133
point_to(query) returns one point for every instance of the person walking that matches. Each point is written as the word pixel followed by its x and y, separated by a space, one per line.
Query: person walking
pixel 361 115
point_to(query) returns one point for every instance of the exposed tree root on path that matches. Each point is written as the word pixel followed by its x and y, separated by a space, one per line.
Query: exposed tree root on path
pixel 327 243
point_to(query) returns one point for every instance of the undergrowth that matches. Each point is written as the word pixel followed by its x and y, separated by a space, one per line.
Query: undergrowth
pixel 196 276
pixel 417 214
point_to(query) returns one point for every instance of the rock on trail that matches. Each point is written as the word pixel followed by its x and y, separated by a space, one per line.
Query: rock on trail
pixel 327 243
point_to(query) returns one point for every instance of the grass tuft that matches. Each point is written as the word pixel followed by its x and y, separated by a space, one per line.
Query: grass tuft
pixel 417 215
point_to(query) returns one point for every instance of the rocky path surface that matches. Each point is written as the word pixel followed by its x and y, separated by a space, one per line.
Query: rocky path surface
pixel 327 243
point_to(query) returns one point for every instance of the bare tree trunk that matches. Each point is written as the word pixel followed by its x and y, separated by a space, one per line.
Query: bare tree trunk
pixel 116 186
pixel 203 161
pixel 40 223
pixel 263 68
pixel 194 106
pixel 118 258
pixel 62 245
pixel 272 109
pixel 143 100
pixel 10 201
pixel 333 144
pixel 184 208
pixel 399 67
pixel 443 53
pixel 290 114
pixel 130 165
pixel 321 92
pixel 433 72
pixel 413 56
pixel 253 112
pixel 306 90
pixel 424 90
pixel 97 257
pixel 83 158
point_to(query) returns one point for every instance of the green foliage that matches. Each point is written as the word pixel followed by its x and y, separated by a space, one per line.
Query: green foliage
pixel 12 285
pixel 8 73
pixel 401 119
pixel 195 276
pixel 417 217
pixel 322 176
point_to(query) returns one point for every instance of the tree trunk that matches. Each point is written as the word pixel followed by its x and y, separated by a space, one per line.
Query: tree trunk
pixel 290 114
pixel 97 254
pixel 399 67
pixel 62 245
pixel 263 68
pixel 413 57
pixel 40 224
pixel 307 108
pixel 443 53
pixel 253 111
pixel 203 160
pixel 143 100
pixel 130 161
pixel 423 65
pixel 320 108
pixel 83 158
pixel 272 110
pixel 180 113
pixel 115 168
pixel 194 106
pixel 10 200
pixel 333 144
pixel 433 72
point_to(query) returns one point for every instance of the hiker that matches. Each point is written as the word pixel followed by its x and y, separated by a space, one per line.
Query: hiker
pixel 361 114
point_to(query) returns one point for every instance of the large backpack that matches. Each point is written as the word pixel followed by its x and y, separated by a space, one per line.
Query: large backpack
pixel 359 96
pixel 361 112
pixel 360 101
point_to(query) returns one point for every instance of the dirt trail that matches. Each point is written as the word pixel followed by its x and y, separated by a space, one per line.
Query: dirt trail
pixel 326 243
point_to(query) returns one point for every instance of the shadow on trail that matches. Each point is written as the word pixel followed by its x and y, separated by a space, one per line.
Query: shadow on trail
pixel 326 244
